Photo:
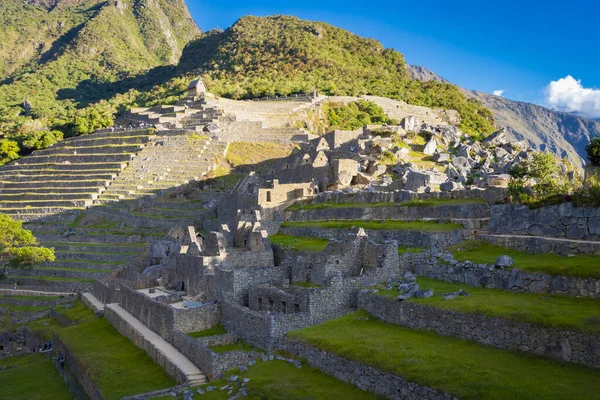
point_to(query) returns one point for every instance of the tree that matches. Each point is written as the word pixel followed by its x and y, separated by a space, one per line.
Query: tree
pixel 18 246
pixel 543 169
pixel 9 150
pixel 593 152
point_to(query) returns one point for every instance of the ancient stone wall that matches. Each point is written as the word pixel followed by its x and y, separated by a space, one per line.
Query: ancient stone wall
pixel 190 271
pixel 364 377
pixel 236 283
pixel 563 344
pixel 560 221
pixel 197 318
pixel 251 326
pixel 406 238
pixel 77 369
pixel 491 195
pixel 488 276
pixel 442 213
pixel 540 245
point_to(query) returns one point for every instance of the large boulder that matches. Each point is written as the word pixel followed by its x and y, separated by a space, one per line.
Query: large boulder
pixel 461 162
pixel 430 147
pixel 504 261
pixel 441 157
pixel 410 123
pixel 451 186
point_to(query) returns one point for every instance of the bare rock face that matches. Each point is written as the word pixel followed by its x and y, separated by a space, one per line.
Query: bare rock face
pixel 27 107
pixel 430 147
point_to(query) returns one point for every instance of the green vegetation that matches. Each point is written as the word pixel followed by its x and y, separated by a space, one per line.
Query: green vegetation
pixel 403 249
pixel 479 252
pixel 355 115
pixel 49 278
pixel 593 152
pixel 303 205
pixel 543 168
pixel 282 55
pixel 424 226
pixel 215 330
pixel 116 365
pixel 244 153
pixel 306 285
pixel 18 246
pixel 35 378
pixel 556 311
pixel 237 346
pixel 299 243
pixel 276 380
pixel 464 369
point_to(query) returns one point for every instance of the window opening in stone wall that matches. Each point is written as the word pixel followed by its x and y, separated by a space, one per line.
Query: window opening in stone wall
pixel 268 196
pixel 283 306
pixel 270 305
pixel 297 307
pixel 259 304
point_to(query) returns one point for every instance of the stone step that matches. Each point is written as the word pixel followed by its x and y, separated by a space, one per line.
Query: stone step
pixel 83 237
pixel 75 183
pixel 60 273
pixel 25 198
pixel 77 159
pixel 52 190
pixel 64 285
pixel 92 142
pixel 59 166
pixel 85 150
pixel 110 135
pixel 42 204
pixel 93 303
pixel 105 257
pixel 93 247
pixel 83 264
pixel 55 177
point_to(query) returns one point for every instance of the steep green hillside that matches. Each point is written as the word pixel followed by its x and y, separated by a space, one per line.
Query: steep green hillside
pixel 64 55
pixel 282 55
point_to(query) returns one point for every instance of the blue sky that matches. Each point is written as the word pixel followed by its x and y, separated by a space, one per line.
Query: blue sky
pixel 519 47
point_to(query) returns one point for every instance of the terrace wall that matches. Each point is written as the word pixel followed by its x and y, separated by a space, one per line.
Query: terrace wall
pixel 563 344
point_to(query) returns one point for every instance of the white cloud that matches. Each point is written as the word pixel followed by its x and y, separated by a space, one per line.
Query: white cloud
pixel 568 94
pixel 498 93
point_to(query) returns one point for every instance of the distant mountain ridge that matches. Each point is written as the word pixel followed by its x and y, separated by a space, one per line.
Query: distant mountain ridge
pixel 561 133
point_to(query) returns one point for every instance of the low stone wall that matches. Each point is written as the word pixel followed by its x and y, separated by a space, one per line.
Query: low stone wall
pixel 37 303
pixel 251 131
pixel 105 293
pixel 252 326
pixel 132 334
pixel 197 318
pixel 441 213
pixel 488 276
pixel 364 377
pixel 406 238
pixel 217 340
pixel 208 361
pixel 77 369
pixel 560 221
pixel 564 345
pixel 540 245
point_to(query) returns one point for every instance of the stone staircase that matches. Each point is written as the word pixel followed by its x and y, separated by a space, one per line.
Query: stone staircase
pixel 68 176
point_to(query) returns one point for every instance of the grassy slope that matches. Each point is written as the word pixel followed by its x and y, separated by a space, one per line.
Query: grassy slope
pixel 244 153
pixel 415 203
pixel 116 365
pixel 35 378
pixel 215 330
pixel 585 266
pixel 279 380
pixel 424 226
pixel 555 311
pixel 464 369
pixel 299 243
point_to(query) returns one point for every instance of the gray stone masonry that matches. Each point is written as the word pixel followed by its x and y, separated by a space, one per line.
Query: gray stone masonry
pixel 489 276
pixel 364 377
pixel 540 245
pixel 560 221
pixel 563 344
pixel 406 238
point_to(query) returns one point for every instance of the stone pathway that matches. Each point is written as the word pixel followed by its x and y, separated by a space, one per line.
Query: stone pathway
pixel 193 374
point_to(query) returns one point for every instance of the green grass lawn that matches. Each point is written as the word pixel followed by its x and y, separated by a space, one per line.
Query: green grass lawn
pixel 424 226
pixel 464 369
pixel 299 243
pixel 35 378
pixel 215 330
pixel 115 364
pixel 303 205
pixel 306 285
pixel 40 298
pixel 279 380
pixel 480 252
pixel 49 278
pixel 239 345
pixel 556 311
pixel 404 249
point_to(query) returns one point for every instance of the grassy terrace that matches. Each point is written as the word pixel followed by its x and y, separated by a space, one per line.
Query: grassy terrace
pixel 116 365
pixel 464 369
pixel 215 330
pixel 414 203
pixel 423 226
pixel 556 311
pixel 239 346
pixel 299 243
pixel 35 378
pixel 49 278
pixel 479 252
pixel 277 380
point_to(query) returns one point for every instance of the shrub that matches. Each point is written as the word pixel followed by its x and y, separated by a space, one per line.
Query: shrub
pixel 593 152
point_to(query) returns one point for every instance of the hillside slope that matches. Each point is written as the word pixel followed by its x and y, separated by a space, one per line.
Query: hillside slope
pixel 61 55
pixel 280 55
pixel 564 134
